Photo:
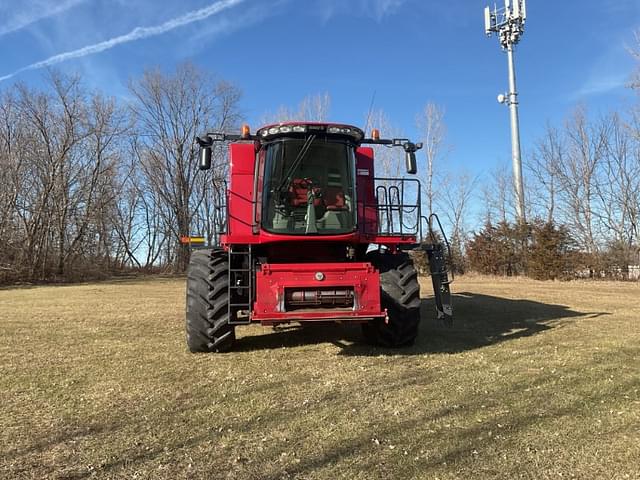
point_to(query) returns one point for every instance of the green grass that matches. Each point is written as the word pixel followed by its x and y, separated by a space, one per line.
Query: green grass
pixel 536 380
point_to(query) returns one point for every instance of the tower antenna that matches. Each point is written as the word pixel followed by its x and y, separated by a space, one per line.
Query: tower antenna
pixel 508 24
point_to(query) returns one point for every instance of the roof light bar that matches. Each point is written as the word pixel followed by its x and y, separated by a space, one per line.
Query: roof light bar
pixel 331 129
pixel 267 132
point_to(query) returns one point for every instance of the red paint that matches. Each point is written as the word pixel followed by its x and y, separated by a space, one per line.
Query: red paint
pixel 274 279
pixel 240 192
pixel 244 208
pixel 367 211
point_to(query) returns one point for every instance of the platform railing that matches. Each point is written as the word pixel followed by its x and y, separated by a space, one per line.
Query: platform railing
pixel 396 210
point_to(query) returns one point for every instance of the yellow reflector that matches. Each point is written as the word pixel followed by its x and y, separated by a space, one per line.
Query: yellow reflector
pixel 185 240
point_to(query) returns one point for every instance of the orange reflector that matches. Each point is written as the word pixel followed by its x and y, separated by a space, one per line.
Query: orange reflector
pixel 375 134
pixel 246 131
pixel 186 240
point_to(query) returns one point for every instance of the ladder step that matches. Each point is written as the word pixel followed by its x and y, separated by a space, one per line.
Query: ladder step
pixel 241 304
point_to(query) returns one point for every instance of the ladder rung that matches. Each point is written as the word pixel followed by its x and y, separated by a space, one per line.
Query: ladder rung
pixel 247 253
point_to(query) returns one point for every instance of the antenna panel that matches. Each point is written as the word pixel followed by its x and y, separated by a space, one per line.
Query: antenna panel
pixel 516 8
pixel 487 21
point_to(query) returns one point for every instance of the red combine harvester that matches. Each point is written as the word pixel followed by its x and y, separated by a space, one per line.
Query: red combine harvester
pixel 309 234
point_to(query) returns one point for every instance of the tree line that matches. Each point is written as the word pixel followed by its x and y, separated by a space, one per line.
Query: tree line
pixel 582 186
pixel 583 199
pixel 91 185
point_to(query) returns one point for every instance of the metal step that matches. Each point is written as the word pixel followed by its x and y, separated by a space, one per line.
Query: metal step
pixel 240 311
pixel 440 280
pixel 441 276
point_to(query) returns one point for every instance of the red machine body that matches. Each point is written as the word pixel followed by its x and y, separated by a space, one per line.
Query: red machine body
pixel 316 291
pixel 244 197
pixel 309 234
pixel 316 287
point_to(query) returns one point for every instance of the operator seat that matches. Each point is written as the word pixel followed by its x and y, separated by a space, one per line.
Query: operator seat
pixel 298 191
pixel 333 194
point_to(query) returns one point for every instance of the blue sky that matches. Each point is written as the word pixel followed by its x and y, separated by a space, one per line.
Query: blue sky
pixel 408 51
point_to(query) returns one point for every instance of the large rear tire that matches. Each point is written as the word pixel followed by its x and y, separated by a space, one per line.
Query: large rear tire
pixel 207 315
pixel 400 295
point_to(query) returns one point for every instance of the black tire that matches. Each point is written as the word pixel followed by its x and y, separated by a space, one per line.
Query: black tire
pixel 400 295
pixel 207 316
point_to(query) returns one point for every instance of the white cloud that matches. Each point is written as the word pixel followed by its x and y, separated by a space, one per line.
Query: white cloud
pixel 137 33
pixel 32 12
pixel 601 85
pixel 243 18
pixel 377 9
pixel 610 70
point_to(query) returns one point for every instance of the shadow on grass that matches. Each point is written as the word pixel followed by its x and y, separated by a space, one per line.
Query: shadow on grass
pixel 480 320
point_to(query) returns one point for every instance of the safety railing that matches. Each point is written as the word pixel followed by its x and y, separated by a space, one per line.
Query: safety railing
pixel 396 210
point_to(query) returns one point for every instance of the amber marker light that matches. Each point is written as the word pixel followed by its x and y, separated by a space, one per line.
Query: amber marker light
pixel 245 131
pixel 375 134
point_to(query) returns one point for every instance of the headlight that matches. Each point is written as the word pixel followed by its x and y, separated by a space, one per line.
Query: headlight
pixel 353 132
pixel 331 129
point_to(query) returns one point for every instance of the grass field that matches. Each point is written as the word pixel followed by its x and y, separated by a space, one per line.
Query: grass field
pixel 536 380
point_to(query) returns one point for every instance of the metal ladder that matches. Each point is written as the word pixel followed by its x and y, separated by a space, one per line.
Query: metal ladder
pixel 237 283
pixel 439 272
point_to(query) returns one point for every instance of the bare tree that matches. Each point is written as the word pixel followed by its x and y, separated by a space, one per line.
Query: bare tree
pixel 497 193
pixel 635 52
pixel 312 108
pixel 458 190
pixel 432 129
pixel 618 194
pixel 59 154
pixel 13 170
pixel 57 123
pixel 170 110
pixel 542 166
pixel 388 161
pixel 577 176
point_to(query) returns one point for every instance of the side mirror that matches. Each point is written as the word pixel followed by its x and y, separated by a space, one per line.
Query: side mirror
pixel 205 158
pixel 412 168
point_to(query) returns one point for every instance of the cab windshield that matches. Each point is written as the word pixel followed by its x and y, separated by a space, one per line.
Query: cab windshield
pixel 308 187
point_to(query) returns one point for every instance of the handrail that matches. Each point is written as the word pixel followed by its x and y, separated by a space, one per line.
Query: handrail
pixel 395 216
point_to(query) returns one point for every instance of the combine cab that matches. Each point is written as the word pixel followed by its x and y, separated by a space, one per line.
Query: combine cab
pixel 309 234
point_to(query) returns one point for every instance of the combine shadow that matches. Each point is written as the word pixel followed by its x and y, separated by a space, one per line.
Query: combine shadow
pixel 480 320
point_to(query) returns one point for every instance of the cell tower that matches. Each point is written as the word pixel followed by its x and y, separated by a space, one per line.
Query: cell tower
pixel 508 24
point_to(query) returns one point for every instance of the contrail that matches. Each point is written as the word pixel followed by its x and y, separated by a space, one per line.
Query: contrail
pixel 38 12
pixel 135 34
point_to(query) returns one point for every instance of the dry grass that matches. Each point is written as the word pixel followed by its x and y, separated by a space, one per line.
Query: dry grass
pixel 537 380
